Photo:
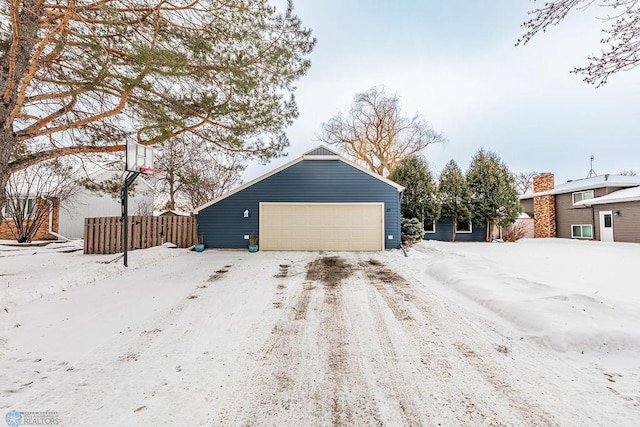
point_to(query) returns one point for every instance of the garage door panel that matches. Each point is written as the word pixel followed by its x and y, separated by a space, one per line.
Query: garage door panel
pixel 343 226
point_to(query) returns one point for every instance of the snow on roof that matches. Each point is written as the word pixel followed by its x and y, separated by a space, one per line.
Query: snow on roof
pixel 626 195
pixel 173 211
pixel 599 181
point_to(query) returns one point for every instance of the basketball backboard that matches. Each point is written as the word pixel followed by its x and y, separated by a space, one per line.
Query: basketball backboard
pixel 138 157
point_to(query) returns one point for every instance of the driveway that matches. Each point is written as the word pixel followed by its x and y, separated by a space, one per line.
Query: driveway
pixel 231 338
pixel 351 342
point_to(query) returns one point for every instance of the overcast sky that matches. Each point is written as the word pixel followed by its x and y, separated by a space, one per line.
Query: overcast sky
pixel 455 63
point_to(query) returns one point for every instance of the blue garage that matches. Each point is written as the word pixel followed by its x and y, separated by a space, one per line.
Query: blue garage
pixel 319 201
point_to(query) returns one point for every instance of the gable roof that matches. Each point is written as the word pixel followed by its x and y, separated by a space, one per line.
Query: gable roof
pixel 627 195
pixel 321 150
pixel 319 153
pixel 600 181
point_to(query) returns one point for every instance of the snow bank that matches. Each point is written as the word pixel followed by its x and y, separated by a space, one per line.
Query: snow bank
pixel 571 295
pixel 28 273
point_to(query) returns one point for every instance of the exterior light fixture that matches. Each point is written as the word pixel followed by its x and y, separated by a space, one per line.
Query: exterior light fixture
pixel 246 213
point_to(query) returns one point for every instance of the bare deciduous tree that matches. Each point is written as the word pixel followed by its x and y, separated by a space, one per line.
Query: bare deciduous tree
pixel 194 172
pixel 628 172
pixel 33 193
pixel 144 208
pixel 220 173
pixel 621 42
pixel 376 133
pixel 524 181
pixel 171 157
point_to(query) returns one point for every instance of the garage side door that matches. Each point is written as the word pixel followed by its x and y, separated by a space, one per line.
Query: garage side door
pixel 321 226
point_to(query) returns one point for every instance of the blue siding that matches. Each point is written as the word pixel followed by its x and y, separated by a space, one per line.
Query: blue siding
pixel 444 229
pixel 310 181
pixel 322 151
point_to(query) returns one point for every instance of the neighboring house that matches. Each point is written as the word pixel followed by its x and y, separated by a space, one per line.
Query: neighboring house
pixel 605 207
pixel 526 223
pixel 171 212
pixel 87 204
pixel 522 224
pixel 46 231
pixel 442 229
pixel 319 201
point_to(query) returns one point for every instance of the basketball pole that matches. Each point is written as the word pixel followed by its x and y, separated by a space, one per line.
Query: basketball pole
pixel 138 160
pixel 124 201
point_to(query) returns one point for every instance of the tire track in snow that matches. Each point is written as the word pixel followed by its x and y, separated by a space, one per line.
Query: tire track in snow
pixel 394 379
pixel 347 396
pixel 402 298
pixel 301 306
pixel 306 371
pixel 435 368
pixel 266 388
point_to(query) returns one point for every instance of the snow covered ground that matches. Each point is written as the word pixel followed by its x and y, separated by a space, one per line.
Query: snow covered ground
pixel 538 332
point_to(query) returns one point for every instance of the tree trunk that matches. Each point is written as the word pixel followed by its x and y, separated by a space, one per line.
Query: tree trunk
pixel 13 65
pixel 455 229
pixel 7 143
pixel 172 191
pixel 489 235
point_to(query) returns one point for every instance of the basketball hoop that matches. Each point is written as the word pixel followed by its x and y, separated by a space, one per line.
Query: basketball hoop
pixel 138 156
pixel 138 160
pixel 149 170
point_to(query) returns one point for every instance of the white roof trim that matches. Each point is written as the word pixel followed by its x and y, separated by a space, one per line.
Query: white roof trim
pixel 397 186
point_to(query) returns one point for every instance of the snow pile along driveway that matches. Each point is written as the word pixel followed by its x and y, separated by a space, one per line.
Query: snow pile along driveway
pixel 573 295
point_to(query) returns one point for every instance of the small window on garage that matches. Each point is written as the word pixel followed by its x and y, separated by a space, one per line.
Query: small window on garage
pixel 464 226
pixel 582 231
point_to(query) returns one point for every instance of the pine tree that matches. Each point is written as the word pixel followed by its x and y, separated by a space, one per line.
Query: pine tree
pixel 419 199
pixel 494 198
pixel 85 76
pixel 454 195
pixel 412 231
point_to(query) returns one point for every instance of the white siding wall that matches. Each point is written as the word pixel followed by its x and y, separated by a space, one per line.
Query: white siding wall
pixel 89 204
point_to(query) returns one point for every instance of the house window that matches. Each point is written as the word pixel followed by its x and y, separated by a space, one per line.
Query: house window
pixel 26 208
pixel 582 195
pixel 464 226
pixel 584 231
pixel 429 226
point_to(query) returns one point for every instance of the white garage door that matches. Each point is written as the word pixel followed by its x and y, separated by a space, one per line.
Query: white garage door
pixel 321 226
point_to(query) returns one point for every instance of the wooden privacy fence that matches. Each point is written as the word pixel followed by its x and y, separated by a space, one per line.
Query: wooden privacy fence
pixel 104 235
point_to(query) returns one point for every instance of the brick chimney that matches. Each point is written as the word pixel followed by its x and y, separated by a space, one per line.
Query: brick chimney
pixel 544 207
